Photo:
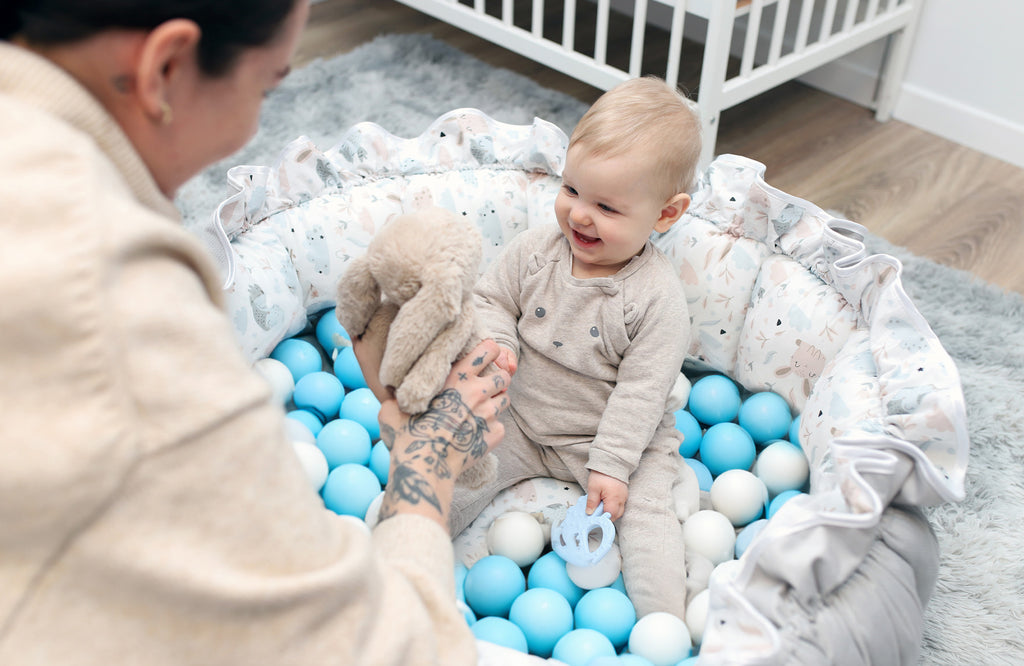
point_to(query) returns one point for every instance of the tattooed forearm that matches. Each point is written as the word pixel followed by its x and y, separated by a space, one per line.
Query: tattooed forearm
pixel 450 418
pixel 408 485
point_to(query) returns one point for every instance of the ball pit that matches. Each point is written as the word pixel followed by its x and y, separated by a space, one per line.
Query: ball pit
pixel 580 647
pixel 319 392
pixel 579 615
pixel 344 441
pixel 544 616
pixel 493 584
pixel 714 399
pixel 500 631
pixel 661 638
pixel 299 356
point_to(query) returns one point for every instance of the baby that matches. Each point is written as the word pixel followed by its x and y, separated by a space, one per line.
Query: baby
pixel 592 319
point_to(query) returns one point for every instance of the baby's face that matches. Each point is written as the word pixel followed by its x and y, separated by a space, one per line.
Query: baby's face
pixel 607 208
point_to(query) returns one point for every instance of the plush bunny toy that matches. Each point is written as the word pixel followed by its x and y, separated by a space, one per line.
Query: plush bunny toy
pixel 414 287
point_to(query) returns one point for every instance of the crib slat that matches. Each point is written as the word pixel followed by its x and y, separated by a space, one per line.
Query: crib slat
pixel 753 30
pixel 778 31
pixel 827 19
pixel 851 14
pixel 636 43
pixel 537 19
pixel 804 27
pixel 675 42
pixel 480 6
pixel 506 12
pixel 569 25
pixel 601 40
pixel 872 10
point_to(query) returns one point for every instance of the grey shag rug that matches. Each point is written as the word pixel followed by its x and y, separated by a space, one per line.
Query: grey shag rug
pixel 976 614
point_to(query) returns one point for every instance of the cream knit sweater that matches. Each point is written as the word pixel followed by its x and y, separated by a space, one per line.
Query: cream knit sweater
pixel 151 510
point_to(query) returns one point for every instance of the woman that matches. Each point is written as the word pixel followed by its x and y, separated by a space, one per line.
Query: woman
pixel 151 509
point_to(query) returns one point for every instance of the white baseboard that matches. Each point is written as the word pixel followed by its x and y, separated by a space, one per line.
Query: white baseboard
pixel 969 126
pixel 847 79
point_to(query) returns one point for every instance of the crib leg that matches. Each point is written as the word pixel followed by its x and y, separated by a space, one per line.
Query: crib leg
pixel 895 66
pixel 712 77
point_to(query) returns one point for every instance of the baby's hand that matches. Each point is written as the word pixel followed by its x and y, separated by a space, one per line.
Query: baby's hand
pixel 507 361
pixel 607 489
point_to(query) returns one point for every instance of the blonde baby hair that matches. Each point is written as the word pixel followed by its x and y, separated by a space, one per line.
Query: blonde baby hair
pixel 649 114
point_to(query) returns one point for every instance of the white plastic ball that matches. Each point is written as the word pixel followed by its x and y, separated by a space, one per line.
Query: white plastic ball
pixel 697 615
pixel 373 511
pixel 711 534
pixel 313 462
pixel 601 574
pixel 739 496
pixel 518 536
pixel 661 638
pixel 724 572
pixel 277 374
pixel 782 466
pixel 297 431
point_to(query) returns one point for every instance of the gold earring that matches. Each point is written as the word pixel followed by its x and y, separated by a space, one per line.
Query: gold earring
pixel 166 114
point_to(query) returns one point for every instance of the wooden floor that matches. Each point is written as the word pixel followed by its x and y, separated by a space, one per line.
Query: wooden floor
pixel 936 198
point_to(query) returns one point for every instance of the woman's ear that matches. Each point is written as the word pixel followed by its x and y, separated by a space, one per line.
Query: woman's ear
pixel 167 56
pixel 672 211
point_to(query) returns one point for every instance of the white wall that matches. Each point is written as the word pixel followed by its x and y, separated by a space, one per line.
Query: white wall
pixel 964 80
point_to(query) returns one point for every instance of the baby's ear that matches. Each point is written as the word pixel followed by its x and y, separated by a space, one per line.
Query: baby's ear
pixel 672 211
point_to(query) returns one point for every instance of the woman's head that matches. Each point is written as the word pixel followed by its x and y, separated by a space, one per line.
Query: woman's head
pixel 228 27
pixel 185 79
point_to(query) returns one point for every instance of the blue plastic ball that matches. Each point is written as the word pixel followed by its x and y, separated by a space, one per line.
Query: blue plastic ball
pixel 492 584
pixel 687 424
pixel 619 584
pixel 714 399
pixel 727 446
pixel 781 499
pixel 549 571
pixel 346 368
pixel 380 462
pixel 544 616
pixel 627 659
pixel 765 416
pixel 362 407
pixel 331 334
pixel 580 647
pixel 460 581
pixel 608 611
pixel 500 631
pixel 350 489
pixel 747 535
pixel 344 441
pixel 319 392
pixel 299 356
pixel 704 478
pixel 794 431
pixel 308 419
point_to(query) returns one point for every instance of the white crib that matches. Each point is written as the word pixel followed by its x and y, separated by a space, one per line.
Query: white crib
pixel 775 41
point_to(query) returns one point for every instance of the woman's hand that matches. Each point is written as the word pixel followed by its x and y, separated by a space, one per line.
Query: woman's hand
pixel 607 489
pixel 430 450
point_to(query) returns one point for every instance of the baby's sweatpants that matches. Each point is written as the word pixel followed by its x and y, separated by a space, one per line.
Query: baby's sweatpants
pixel 649 535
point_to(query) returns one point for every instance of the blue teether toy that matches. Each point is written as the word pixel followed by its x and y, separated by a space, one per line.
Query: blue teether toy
pixel 571 537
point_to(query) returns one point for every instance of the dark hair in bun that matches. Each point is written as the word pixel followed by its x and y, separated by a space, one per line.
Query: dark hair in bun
pixel 228 27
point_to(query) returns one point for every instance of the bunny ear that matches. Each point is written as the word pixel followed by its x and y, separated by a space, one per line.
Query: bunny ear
pixel 358 297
